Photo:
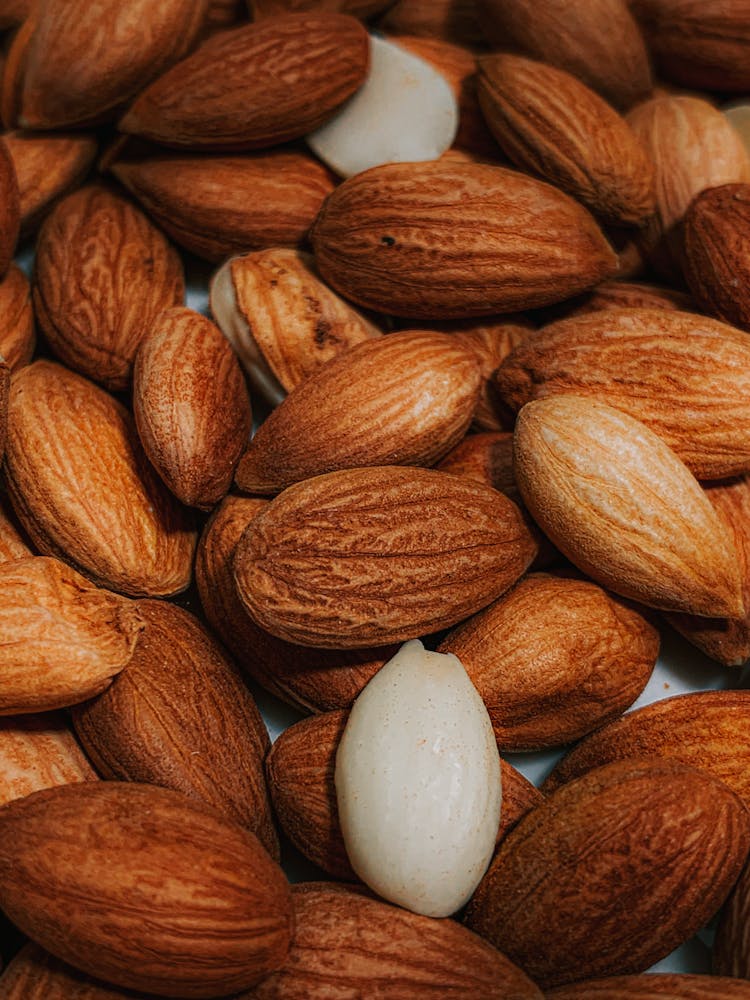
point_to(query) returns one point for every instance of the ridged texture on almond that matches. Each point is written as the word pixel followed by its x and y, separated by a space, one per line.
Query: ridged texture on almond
pixel 83 61
pixel 4 392
pixel 453 239
pixel 731 954
pixel 616 500
pixel 726 640
pixel 554 659
pixel 491 342
pixel 84 490
pixel 180 717
pixel 256 86
pixel 34 974
pixel 311 680
pixel 216 206
pixel 17 334
pixel 633 295
pixel 485 458
pixel 669 985
pixel 12 543
pixel 613 871
pixel 716 251
pixel 347 944
pixel 451 20
pixel 369 556
pixel 63 640
pixel 170 897
pixel 706 729
pixel 685 376
pixel 357 8
pixel 551 124
pixel 47 167
pixel 10 209
pixel 191 406
pixel 103 272
pixel 597 41
pixel 405 399
pixel 36 752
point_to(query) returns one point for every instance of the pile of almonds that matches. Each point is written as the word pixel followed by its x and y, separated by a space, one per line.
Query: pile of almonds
pixel 501 400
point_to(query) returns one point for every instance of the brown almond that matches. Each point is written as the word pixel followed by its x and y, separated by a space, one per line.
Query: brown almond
pixel 451 20
pixel 491 342
pixel 10 208
pixel 17 333
pixel 378 555
pixel 485 458
pixel 191 406
pixel 34 974
pixel 257 85
pixel 13 12
pixel 634 295
pixel 405 399
pixel 12 543
pixel 36 752
pixel 612 871
pixel 4 392
pixel 103 509
pixel 357 8
pixel 223 14
pixel 731 954
pixel 670 985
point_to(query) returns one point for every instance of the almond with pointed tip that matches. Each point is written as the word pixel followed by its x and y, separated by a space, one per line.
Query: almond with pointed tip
pixel 17 333
pixel 39 751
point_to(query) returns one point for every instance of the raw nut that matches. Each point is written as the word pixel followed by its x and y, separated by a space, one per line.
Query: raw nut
pixel 597 41
pixel 10 209
pixel 158 722
pixel 102 508
pixel 378 555
pixel 552 125
pixel 63 640
pixel 671 986
pixel 347 943
pixel 38 751
pixel 706 729
pixel 633 295
pixel 4 392
pixel 34 974
pixel 12 543
pixel 17 334
pixel 450 20
pixel 453 239
pixel 623 508
pixel 311 680
pixel 255 86
pixel 485 458
pixel 554 659
pixel 216 206
pixel 13 12
pixel 357 8
pixel 282 321
pixel 491 341
pixel 667 840
pixel 172 898
pixel 685 376
pixel 191 406
pixel 731 955
pixel 405 399
pixel 223 14
pixel 103 273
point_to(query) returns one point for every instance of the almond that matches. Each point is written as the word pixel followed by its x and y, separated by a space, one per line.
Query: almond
pixel 612 871
pixel 378 555
pixel 623 508
pixel 405 399
pixel 453 239
pixel 550 124
pixel 39 751
pixel 672 986
pixel 255 86
pixel 63 640
pixel 485 458
pixel 104 509
pixel 491 341
pixel 171 898
pixel 10 208
pixel 17 334
pixel 554 659
pixel 34 974
pixel 685 376
pixel 357 8
pixel 731 956
pixel 103 273
pixel 451 20
pixel 12 543
pixel 158 723
pixel 13 12
pixel 4 391
pixel 634 295
pixel 191 406
pixel 216 206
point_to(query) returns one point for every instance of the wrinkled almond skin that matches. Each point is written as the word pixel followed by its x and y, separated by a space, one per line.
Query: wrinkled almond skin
pixel 450 20
pixel 554 659
pixel 172 898
pixel 10 209
pixel 404 399
pixel 191 406
pixel 63 640
pixel 486 458
pixel 36 752
pixel 612 871
pixel 731 952
pixel 357 8
pixel 34 974
pixel 670 986
pixel 17 332
pixel 12 543
pixel 450 239
pixel 220 205
pixel 491 342
pixel 552 125
pixel 103 273
pixel 104 509
pixel 378 555
pixel 257 85
pixel 633 295
pixel 602 486
pixel 685 376
pixel 4 393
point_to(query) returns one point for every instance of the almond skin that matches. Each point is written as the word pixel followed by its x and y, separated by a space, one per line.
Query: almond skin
pixel 255 86
pixel 685 376
pixel 4 392
pixel 491 342
pixel 671 986
pixel 450 239
pixel 12 543
pixel 10 208
pixel 357 8
pixel 191 406
pixel 17 334
pixel 550 124
pixel 174 899
pixel 602 486
pixel 378 555
pixel 216 206
pixel 405 399
pixel 668 843
pixel 731 955
pixel 104 510
pixel 634 295
pixel 451 20
pixel 39 751
pixel 34 974
pixel 485 458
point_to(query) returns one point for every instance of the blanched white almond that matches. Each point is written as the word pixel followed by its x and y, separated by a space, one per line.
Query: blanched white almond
pixel 404 112
pixel 418 783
